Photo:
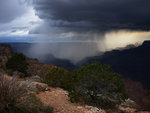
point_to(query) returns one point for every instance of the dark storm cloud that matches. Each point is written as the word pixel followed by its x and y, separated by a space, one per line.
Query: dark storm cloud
pixel 95 14
pixel 10 10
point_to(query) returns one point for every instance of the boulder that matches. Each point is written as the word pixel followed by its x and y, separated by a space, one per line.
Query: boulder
pixel 95 109
pixel 129 103
pixel 35 78
pixel 34 86
pixel 128 106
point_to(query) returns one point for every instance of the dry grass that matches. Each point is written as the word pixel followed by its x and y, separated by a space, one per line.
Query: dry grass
pixel 14 98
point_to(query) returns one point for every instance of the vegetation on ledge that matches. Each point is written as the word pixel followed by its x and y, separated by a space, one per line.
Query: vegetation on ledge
pixel 18 63
pixel 92 84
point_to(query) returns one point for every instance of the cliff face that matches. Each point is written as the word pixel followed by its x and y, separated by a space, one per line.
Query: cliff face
pixel 137 93
pixel 5 53
pixel 133 63
pixel 34 68
pixel 37 68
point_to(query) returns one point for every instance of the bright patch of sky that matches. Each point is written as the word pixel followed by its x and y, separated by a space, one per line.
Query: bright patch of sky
pixel 21 25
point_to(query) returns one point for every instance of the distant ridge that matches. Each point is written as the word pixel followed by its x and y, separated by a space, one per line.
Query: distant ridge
pixel 133 62
pixel 147 42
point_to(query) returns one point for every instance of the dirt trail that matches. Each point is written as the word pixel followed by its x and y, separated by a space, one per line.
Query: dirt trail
pixel 58 99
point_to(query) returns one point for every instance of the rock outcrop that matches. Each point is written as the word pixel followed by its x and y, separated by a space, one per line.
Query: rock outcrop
pixel 34 86
pixel 138 94
pixel 5 53
pixel 128 106
pixel 36 68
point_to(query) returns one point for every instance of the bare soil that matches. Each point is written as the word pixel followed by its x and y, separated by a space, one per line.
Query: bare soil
pixel 59 100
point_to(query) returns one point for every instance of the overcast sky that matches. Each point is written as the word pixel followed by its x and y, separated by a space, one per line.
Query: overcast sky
pixel 122 21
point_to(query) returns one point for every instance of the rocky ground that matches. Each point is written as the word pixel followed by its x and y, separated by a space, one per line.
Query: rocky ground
pixel 58 99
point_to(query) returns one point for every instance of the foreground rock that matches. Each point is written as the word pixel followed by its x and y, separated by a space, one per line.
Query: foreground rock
pixel 138 94
pixel 34 86
pixel 29 85
pixel 95 109
pixel 128 106
pixel 34 78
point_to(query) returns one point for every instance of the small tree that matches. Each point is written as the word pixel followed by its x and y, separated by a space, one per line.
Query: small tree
pixel 55 77
pixel 17 63
pixel 95 83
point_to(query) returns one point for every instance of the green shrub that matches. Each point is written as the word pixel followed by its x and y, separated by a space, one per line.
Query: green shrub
pixel 55 77
pixel 95 84
pixel 17 63
pixel 14 98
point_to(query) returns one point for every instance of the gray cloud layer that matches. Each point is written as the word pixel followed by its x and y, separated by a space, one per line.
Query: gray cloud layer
pixel 98 15
pixel 10 10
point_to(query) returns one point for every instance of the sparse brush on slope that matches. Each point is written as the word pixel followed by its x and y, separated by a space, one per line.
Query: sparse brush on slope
pixel 92 84
pixel 97 84
pixel 56 77
pixel 18 63
pixel 14 98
